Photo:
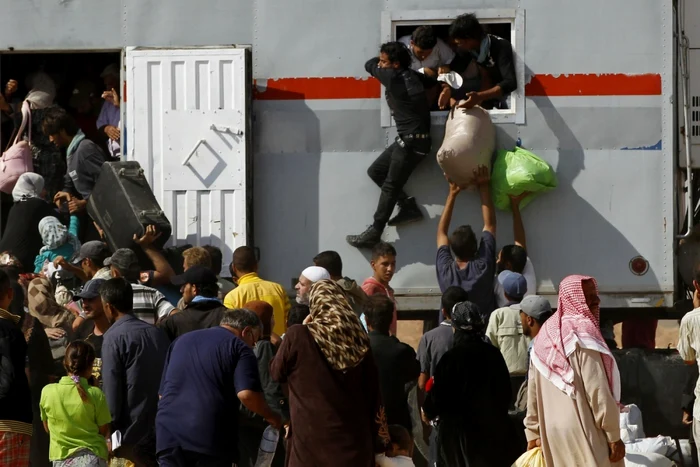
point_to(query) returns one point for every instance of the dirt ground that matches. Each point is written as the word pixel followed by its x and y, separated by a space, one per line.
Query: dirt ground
pixel 410 332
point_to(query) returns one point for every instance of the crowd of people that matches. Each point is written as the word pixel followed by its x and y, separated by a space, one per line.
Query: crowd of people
pixel 108 362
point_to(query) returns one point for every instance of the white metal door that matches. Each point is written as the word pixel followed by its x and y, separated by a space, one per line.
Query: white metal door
pixel 187 114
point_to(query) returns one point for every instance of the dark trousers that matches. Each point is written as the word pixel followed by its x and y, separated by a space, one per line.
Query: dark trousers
pixel 391 171
pixel 177 457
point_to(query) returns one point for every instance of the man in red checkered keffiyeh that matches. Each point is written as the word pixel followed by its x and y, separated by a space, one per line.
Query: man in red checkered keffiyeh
pixel 576 323
pixel 573 409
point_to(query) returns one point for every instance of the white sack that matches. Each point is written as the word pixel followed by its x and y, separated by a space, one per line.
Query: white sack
pixel 470 139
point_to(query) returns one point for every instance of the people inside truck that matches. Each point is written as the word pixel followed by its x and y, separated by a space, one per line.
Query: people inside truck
pixel 84 158
pixel 428 52
pixel 332 262
pixel 110 117
pixel 573 410
pixel 492 55
pixel 473 266
pixel 21 237
pixel 383 268
pixel 47 159
pixel 405 94
pixel 244 269
pixel 514 257
pixel 86 105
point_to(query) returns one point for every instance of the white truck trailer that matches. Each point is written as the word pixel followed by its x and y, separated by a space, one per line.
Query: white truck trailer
pixel 267 142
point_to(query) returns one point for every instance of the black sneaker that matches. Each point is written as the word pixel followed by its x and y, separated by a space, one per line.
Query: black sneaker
pixel 408 212
pixel 367 239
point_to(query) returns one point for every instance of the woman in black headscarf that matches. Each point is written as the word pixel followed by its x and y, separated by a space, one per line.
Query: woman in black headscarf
pixel 469 397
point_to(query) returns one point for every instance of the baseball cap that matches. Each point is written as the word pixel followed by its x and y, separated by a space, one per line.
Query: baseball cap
pixel 195 275
pixel 91 289
pixel 535 306
pixel 514 284
pixel 123 259
pixel 93 249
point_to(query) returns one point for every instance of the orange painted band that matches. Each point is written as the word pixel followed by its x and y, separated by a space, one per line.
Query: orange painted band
pixel 540 85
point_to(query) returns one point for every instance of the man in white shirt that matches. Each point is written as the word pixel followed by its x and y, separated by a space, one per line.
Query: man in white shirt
pixel 514 257
pixel 428 51
pixel 689 346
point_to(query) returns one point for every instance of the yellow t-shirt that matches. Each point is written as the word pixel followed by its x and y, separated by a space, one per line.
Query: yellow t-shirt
pixel 251 288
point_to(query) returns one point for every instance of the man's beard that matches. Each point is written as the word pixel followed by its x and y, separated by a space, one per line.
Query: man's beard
pixel 303 299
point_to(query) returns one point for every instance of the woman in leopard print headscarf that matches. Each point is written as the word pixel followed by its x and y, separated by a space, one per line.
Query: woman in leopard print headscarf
pixel 335 403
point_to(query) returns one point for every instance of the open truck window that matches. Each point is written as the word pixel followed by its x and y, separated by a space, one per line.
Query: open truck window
pixel 507 24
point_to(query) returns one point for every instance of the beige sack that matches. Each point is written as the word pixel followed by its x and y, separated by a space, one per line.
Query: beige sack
pixel 470 139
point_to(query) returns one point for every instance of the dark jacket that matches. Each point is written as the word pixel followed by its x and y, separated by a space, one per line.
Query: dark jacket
pixel 21 237
pixel 15 397
pixel 398 366
pixel 197 315
pixel 84 166
pixel 500 67
pixel 133 357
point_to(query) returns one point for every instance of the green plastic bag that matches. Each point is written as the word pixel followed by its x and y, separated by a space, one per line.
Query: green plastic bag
pixel 515 172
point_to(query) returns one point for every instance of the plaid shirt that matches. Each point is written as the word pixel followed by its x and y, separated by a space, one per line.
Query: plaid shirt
pixel 149 304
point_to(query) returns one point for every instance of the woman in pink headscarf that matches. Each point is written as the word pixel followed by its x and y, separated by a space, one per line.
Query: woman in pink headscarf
pixel 573 409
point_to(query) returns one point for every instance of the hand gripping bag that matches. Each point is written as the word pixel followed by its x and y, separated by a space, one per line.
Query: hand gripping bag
pixel 531 458
pixel 518 171
pixel 470 139
pixel 18 157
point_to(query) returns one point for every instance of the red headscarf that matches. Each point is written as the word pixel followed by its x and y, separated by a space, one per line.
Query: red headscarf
pixel 574 324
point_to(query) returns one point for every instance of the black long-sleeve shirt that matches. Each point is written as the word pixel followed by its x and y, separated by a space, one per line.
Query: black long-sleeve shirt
pixel 405 94
pixel 500 65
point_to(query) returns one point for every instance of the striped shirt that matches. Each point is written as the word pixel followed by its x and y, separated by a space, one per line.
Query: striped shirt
pixel 149 304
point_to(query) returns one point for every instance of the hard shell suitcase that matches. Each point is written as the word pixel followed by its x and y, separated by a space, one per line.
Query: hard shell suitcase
pixel 123 204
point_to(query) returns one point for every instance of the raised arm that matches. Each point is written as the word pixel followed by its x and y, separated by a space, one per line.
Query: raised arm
pixel 518 226
pixel 488 211
pixel 163 271
pixel 446 218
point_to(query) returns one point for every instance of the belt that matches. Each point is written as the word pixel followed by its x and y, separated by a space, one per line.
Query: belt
pixel 416 136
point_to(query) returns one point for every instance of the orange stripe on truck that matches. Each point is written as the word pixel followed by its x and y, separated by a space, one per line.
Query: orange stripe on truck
pixel 594 85
pixel 284 89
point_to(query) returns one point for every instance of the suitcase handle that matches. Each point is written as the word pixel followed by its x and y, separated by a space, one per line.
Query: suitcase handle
pixel 130 172
pixel 151 213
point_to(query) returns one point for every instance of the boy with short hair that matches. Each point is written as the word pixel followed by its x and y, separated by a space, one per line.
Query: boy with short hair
pixel 384 266
pixel 400 451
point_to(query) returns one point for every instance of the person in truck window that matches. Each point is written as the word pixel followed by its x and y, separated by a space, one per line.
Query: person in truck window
pixel 474 265
pixel 428 51
pixel 84 161
pixel 405 94
pixel 494 58
pixel 109 118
